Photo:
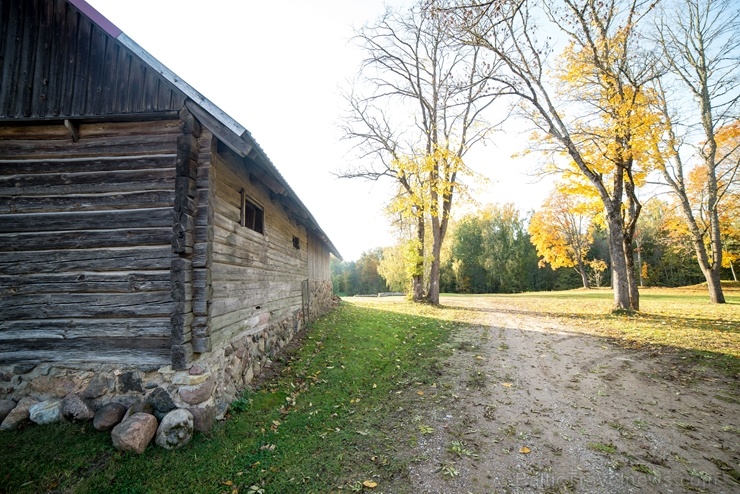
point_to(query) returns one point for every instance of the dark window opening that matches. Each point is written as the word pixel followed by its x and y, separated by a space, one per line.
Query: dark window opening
pixel 296 243
pixel 252 216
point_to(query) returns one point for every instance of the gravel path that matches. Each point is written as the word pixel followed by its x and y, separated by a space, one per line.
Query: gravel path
pixel 538 408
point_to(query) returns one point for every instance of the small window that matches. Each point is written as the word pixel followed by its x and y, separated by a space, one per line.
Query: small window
pixel 296 243
pixel 252 216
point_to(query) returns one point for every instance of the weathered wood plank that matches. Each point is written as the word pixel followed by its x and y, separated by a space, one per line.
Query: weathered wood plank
pixel 87 165
pixel 87 220
pixel 135 352
pixel 87 183
pixel 113 145
pixel 59 261
pixel 149 327
pixel 246 289
pixel 88 202
pixel 88 239
pixel 59 306
pixel 251 313
pixel 86 281
pixel 243 327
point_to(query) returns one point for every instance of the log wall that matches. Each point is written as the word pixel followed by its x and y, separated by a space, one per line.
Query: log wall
pixel 85 242
pixel 255 279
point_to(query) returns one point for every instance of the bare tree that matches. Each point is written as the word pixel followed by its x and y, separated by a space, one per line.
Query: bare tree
pixel 603 35
pixel 414 113
pixel 700 40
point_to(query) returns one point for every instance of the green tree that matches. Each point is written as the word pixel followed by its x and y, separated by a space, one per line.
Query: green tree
pixel 593 112
pixel 700 44
pixel 415 113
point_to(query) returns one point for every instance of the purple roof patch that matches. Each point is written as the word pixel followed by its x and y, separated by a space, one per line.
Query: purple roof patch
pixel 97 17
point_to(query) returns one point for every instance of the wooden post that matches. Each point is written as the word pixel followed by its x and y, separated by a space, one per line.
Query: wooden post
pixel 183 241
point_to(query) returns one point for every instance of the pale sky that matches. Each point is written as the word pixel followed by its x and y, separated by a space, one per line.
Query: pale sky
pixel 277 69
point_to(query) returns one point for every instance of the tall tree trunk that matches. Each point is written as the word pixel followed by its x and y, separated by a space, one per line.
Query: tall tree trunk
pixel 417 280
pixel 620 282
pixel 710 270
pixel 631 214
pixel 714 284
pixel 632 282
pixel 639 263
pixel 716 296
pixel 581 268
pixel 433 292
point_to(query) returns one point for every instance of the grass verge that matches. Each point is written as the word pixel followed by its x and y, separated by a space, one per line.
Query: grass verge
pixel 341 406
pixel 335 415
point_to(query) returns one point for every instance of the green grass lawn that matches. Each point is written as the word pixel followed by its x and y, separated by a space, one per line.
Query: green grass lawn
pixel 670 320
pixel 325 421
pixel 338 410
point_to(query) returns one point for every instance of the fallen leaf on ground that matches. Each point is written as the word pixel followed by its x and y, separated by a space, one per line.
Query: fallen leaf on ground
pixel 525 450
pixel 370 484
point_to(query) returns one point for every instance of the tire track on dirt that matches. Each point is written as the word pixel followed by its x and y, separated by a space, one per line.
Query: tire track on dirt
pixel 538 407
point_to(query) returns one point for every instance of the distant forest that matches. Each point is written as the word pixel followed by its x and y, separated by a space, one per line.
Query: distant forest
pixel 492 252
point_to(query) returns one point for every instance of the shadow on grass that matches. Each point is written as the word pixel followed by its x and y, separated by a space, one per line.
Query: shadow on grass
pixel 693 340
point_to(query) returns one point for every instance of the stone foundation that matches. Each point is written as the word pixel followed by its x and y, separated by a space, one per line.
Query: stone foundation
pixel 211 382
pixel 322 298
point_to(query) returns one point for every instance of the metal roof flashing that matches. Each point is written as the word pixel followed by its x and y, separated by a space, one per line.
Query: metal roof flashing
pixel 239 131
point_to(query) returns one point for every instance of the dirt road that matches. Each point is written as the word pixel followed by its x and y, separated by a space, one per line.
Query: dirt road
pixel 539 408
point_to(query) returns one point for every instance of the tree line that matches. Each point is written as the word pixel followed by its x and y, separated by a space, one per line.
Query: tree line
pixel 500 250
pixel 621 96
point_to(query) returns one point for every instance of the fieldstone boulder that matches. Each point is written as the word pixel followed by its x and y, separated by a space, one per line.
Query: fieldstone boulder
pixel 55 386
pixel 203 418
pixel 98 386
pixel 130 381
pixel 19 414
pixel 46 412
pixel 176 429
pixel 75 410
pixel 6 406
pixel 193 395
pixel 134 433
pixel 161 402
pixel 108 416
pixel 139 407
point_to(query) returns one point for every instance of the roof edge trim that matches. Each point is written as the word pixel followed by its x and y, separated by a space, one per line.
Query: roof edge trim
pixel 102 21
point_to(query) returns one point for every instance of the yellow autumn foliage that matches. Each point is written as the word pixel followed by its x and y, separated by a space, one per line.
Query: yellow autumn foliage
pixel 560 231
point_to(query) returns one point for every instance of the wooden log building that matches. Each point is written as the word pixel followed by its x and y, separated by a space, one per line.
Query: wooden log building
pixel 143 232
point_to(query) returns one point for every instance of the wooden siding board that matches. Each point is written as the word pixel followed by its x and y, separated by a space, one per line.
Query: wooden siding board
pixel 73 328
pixel 84 165
pixel 86 282
pixel 86 220
pixel 136 352
pixel 41 69
pixel 56 52
pixel 20 149
pixel 86 183
pixel 99 305
pixel 82 63
pixel 87 202
pixel 57 63
pixel 90 239
pixel 5 51
pixel 137 258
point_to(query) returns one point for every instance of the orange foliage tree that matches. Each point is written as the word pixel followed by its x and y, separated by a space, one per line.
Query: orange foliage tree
pixel 560 231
